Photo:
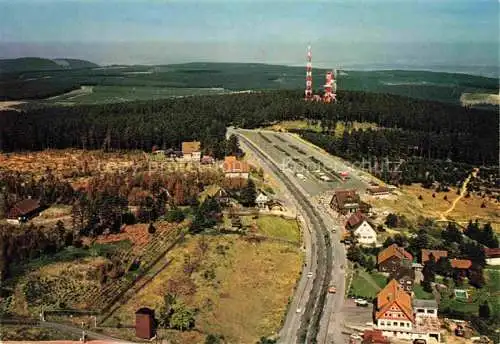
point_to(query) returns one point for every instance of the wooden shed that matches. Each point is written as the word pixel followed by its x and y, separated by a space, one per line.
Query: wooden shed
pixel 145 323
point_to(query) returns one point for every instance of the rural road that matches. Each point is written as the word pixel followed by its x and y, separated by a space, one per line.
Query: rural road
pixel 319 317
pixel 78 332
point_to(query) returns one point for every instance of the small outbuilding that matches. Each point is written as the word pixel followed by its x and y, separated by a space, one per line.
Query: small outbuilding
pixel 145 323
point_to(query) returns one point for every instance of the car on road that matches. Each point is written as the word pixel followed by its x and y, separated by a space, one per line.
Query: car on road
pixel 301 176
pixel 310 274
pixel 332 290
pixel 299 310
pixel 356 336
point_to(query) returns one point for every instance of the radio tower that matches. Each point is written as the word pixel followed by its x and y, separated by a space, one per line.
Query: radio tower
pixel 329 96
pixel 308 92
pixel 334 86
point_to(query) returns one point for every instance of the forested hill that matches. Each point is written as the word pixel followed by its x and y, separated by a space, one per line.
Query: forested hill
pixel 445 87
pixel 35 64
pixel 437 130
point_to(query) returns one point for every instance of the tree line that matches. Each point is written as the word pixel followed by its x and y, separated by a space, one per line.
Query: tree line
pixel 407 128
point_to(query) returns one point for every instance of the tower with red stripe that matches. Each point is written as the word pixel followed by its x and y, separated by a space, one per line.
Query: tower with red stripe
pixel 308 91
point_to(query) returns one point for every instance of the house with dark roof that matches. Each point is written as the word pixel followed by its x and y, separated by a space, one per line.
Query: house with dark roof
pixel 22 211
pixel 393 258
pixel 361 229
pixel 348 202
pixel 492 256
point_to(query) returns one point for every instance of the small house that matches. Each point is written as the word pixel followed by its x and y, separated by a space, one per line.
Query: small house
pixel 207 160
pixel 22 211
pixel 492 256
pixel 233 168
pixel 145 323
pixel 261 200
pixel 191 150
pixel 378 191
pixel 393 258
pixel 362 229
pixel 437 254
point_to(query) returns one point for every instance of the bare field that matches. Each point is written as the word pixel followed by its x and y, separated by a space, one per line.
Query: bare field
pixel 240 288
pixel 10 105
pixel 62 162
pixel 407 202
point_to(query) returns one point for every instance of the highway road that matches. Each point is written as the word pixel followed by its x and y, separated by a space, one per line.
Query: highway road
pixel 294 160
pixel 295 155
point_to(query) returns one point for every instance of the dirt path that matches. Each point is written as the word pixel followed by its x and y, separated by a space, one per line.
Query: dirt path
pixel 463 191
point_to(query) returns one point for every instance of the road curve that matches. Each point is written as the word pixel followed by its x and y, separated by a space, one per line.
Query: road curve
pixel 311 316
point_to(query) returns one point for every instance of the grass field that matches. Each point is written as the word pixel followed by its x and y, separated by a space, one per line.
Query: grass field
pixel 421 294
pixel 25 333
pixel 241 289
pixel 277 227
pixel 367 285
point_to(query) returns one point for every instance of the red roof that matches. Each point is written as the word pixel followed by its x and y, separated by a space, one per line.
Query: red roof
pixel 492 252
pixel 355 219
pixel 374 337
pixel 435 253
pixel 394 250
pixel 232 165
pixel 22 208
pixel 393 296
pixel 460 263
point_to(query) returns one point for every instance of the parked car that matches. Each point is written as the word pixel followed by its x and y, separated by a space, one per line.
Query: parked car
pixel 332 290
pixel 310 274
pixel 299 310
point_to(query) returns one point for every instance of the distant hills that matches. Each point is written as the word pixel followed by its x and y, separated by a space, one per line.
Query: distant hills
pixel 38 78
pixel 31 64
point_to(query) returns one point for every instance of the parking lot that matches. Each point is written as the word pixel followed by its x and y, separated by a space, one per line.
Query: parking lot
pixel 356 316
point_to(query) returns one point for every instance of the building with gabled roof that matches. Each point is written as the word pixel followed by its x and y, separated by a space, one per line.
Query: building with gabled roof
pixel 23 211
pixel 393 311
pixel 361 229
pixel 492 256
pixel 393 258
pixel 345 201
pixel 234 168
pixel 437 254
pixel 191 150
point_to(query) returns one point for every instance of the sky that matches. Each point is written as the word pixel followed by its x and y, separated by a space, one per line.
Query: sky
pixel 360 33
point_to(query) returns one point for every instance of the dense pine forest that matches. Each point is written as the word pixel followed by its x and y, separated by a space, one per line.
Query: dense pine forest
pixel 420 131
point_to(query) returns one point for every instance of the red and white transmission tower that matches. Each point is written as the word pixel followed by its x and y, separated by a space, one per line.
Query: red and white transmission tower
pixel 309 92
